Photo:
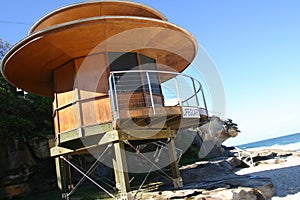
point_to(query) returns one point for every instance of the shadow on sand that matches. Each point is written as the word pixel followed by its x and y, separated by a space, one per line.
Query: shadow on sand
pixel 286 180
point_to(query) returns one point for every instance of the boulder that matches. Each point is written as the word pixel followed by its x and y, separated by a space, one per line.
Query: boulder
pixel 25 167
pixel 234 162
pixel 198 194
pixel 14 155
pixel 232 194
pixel 215 180
pixel 39 146
pixel 12 191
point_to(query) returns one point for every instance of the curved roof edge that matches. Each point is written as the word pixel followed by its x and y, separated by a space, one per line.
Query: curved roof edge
pixel 45 17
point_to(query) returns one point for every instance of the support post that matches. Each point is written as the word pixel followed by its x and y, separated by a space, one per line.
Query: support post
pixel 116 172
pixel 177 180
pixel 69 177
pixel 63 174
pixel 121 171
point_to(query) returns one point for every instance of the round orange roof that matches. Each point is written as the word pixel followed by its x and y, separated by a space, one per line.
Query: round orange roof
pixel 30 63
pixel 94 9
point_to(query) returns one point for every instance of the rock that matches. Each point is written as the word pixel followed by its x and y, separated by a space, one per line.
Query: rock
pixel 211 175
pixel 233 194
pixel 225 164
pixel 12 191
pixel 14 155
pixel 272 161
pixel 25 169
pixel 241 193
pixel 234 162
pixel 204 174
pixel 263 155
pixel 40 147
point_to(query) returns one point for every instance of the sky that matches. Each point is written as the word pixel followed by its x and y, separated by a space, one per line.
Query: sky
pixel 254 45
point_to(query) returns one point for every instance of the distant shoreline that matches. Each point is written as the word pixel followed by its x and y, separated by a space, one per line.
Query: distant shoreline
pixel 288 142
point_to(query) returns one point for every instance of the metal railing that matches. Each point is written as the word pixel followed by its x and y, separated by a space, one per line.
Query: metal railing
pixel 248 156
pixel 153 88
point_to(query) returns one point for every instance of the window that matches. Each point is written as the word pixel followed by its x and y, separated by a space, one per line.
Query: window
pixel 149 64
pixel 125 82
pixel 134 81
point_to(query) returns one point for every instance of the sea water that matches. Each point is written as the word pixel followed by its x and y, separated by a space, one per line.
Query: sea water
pixel 288 142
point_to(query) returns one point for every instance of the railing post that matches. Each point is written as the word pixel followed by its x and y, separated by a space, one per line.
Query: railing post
pixel 150 91
pixel 203 97
pixel 116 95
pixel 195 91
pixel 112 98
pixel 178 93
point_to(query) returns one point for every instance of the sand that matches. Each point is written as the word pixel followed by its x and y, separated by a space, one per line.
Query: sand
pixel 285 175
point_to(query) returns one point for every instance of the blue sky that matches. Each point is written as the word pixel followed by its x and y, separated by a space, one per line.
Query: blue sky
pixel 254 44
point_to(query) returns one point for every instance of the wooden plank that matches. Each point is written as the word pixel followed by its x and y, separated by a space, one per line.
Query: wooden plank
pixel 109 137
pixel 69 135
pixel 146 112
pixel 84 132
pixel 57 151
pixel 64 84
pixel 97 129
pixel 146 134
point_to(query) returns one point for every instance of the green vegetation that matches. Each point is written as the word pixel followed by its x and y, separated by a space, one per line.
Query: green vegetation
pixel 22 115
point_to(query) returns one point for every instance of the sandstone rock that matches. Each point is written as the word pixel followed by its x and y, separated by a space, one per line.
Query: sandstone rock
pixel 263 155
pixel 234 162
pixel 233 194
pixel 213 175
pixel 14 155
pixel 225 164
pixel 241 193
pixel 12 191
pixel 22 171
pixel 40 147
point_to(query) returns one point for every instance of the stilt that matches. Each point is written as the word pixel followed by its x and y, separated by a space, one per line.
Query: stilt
pixel 64 180
pixel 177 180
pixel 116 172
pixel 69 176
pixel 121 171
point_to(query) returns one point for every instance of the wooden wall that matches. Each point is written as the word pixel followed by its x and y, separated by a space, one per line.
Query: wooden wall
pixel 81 93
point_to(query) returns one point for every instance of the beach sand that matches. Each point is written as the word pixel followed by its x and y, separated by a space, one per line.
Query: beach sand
pixel 285 175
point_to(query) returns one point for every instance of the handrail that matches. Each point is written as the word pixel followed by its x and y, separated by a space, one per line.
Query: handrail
pixel 195 84
pixel 153 71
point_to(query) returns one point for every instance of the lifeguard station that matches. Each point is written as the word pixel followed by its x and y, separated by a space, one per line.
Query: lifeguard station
pixel 113 71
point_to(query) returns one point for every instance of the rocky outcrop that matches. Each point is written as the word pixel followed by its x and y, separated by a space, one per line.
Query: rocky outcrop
pixel 25 167
pixel 213 175
pixel 218 129
pixel 16 163
pixel 218 194
pixel 263 155
pixel 206 140
pixel 39 146
pixel 215 180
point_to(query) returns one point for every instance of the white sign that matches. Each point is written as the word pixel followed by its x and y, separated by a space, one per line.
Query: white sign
pixel 190 112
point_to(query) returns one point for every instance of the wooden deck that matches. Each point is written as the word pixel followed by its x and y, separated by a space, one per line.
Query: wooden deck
pixel 136 125
pixel 148 118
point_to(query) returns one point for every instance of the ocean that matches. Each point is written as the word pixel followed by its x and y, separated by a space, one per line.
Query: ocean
pixel 288 142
